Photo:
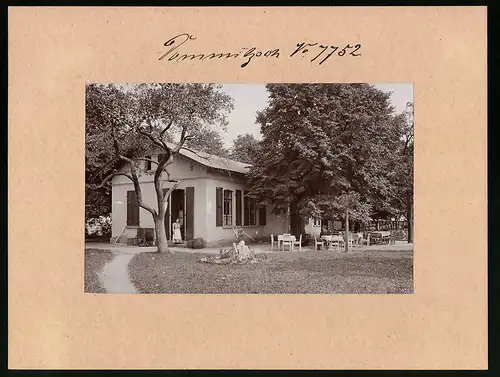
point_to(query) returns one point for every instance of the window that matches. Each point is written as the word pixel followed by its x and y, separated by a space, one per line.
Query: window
pixel 262 215
pixel 249 210
pixel 132 209
pixel 317 222
pixel 228 208
pixel 148 163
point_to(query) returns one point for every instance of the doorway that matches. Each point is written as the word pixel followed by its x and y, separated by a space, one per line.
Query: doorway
pixel 175 211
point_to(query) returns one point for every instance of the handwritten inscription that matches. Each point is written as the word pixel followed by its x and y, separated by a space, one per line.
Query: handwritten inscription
pixel 247 54
pixel 348 49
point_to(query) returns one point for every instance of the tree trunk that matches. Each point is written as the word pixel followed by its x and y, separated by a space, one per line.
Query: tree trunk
pixel 161 235
pixel 346 238
pixel 409 217
pixel 288 219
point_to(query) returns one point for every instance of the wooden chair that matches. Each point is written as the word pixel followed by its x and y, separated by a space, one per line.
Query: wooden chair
pixel 317 243
pixel 280 241
pixel 365 241
pixel 335 242
pixel 299 242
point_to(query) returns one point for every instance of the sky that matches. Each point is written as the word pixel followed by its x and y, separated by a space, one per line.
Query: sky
pixel 250 98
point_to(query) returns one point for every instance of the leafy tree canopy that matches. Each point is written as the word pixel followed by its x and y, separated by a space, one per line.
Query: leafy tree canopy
pixel 327 146
pixel 245 148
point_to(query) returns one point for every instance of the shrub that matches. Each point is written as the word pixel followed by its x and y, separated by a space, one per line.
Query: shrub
pixel 99 226
pixel 197 243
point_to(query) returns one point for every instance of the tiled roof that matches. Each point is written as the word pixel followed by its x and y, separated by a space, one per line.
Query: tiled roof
pixel 215 162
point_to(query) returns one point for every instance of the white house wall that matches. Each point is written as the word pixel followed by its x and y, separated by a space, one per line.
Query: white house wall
pixel 119 206
pixel 192 174
pixel 216 235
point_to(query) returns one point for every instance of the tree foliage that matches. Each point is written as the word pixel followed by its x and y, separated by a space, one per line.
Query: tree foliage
pixel 327 147
pixel 245 148
pixel 208 141
pixel 403 168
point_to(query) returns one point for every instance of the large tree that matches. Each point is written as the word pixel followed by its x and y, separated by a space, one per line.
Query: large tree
pixel 326 147
pixel 245 148
pixel 130 122
pixel 403 168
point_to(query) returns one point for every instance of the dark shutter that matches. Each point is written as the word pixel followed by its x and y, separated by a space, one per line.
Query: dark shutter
pixel 218 206
pixel 132 209
pixel 167 224
pixel 238 207
pixel 246 209
pixel 148 163
pixel 262 216
pixel 189 224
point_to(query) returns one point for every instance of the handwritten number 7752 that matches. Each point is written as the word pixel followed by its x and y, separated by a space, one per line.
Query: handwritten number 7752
pixel 328 50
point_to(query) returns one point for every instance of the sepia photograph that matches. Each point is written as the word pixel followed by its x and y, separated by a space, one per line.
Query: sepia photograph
pixel 275 188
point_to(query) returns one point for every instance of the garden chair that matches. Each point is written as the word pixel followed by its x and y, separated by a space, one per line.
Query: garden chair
pixel 299 242
pixel 280 240
pixel 335 242
pixel 317 243
pixel 272 242
pixel 365 240
pixel 287 241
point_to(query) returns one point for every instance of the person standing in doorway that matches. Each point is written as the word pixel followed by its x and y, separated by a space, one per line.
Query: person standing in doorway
pixel 176 231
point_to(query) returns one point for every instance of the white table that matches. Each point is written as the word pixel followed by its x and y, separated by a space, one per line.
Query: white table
pixel 332 239
pixel 282 238
pixel 385 235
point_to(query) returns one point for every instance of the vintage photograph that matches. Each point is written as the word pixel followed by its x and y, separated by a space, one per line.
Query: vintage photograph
pixel 274 188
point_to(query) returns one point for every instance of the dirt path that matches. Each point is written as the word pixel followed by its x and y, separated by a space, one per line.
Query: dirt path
pixel 114 275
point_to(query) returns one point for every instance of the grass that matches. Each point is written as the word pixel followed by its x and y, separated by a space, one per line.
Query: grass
pixel 306 272
pixel 95 260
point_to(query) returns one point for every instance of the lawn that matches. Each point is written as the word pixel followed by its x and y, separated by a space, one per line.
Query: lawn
pixel 306 272
pixel 95 260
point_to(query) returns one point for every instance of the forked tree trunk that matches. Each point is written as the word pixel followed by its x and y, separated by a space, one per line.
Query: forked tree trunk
pixel 161 235
pixel 346 237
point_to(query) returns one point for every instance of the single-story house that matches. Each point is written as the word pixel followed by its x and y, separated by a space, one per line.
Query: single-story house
pixel 210 202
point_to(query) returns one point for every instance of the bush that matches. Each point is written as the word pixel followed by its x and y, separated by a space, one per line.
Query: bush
pixel 400 234
pixel 99 226
pixel 197 243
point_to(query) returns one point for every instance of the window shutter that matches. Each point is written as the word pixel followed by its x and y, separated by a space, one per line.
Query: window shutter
pixel 218 206
pixel 189 226
pixel 238 207
pixel 262 216
pixel 132 209
pixel 246 209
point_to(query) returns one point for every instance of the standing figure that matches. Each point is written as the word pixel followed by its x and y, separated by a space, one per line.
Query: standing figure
pixel 176 231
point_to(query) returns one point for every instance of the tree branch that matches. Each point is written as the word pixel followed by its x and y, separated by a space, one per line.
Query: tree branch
pixel 103 183
pixel 137 187
pixel 166 129
pixel 155 141
pixel 167 194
